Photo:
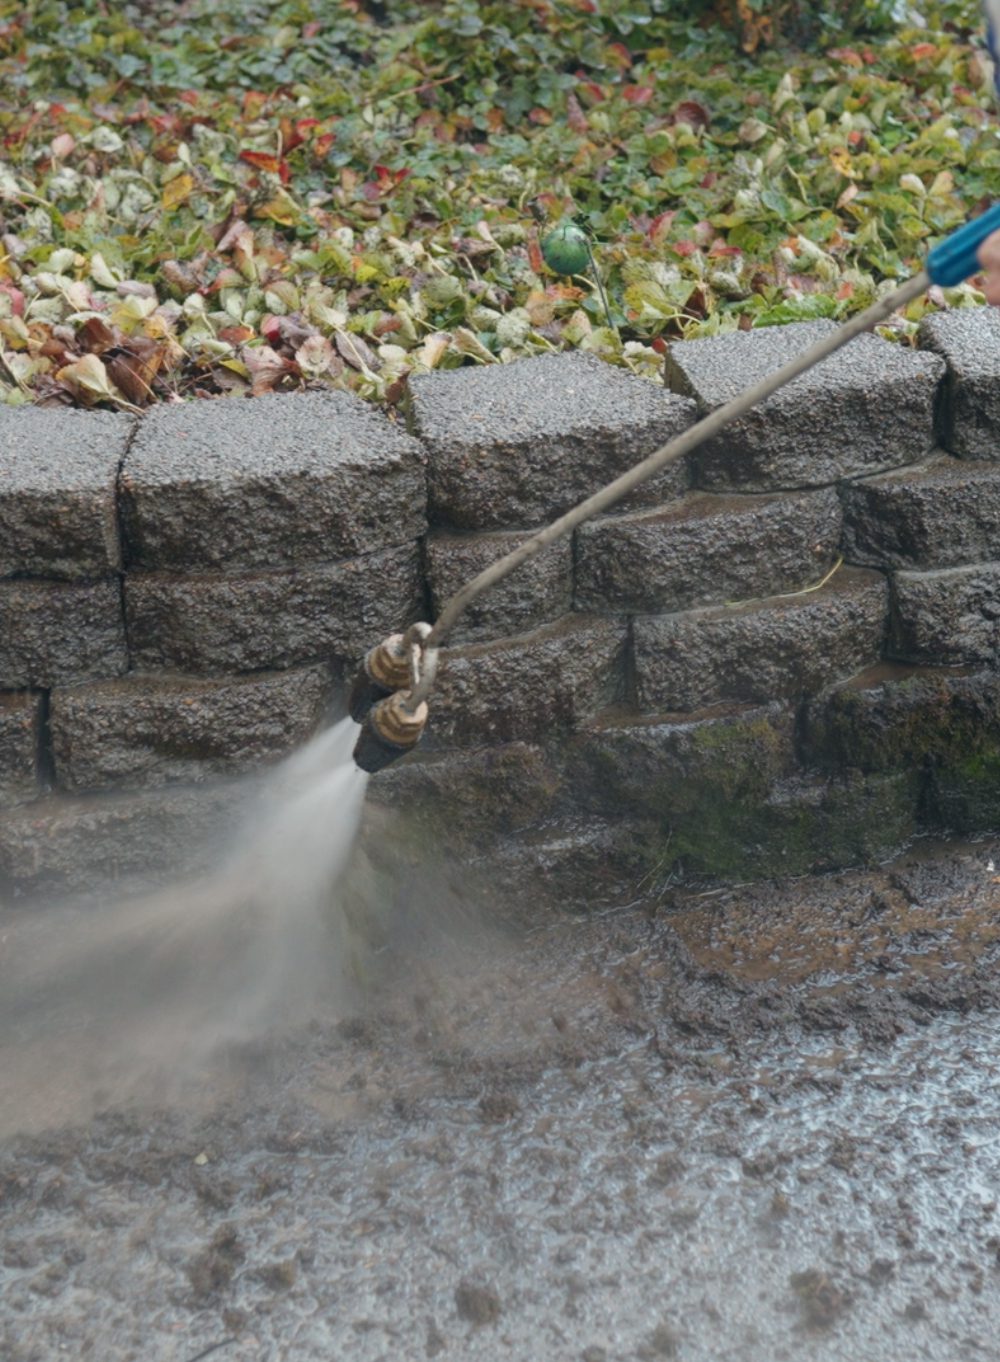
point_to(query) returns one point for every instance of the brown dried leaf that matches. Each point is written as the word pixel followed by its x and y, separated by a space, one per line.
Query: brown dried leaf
pixel 266 368
pixel 355 352
pixel 95 335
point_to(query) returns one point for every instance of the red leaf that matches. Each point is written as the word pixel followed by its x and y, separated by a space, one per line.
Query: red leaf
pixel 591 91
pixel 16 297
pixel 659 345
pixel 637 94
pixel 236 335
pixel 541 117
pixel 190 96
pixel 691 112
pixel 847 55
pixel 684 248
pixel 720 251
pixel 323 144
pixel 923 50
pixel 167 123
pixel 312 29
pixel 620 55
pixel 660 226
pixel 575 116
pixel 262 160
pixel 535 258
pixel 270 327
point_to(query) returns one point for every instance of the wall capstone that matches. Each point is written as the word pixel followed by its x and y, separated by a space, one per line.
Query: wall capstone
pixel 867 408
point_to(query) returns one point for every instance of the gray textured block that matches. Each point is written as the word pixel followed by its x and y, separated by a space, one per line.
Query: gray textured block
pixel 518 444
pixel 969 416
pixel 894 717
pixel 721 795
pixel 283 479
pixel 777 649
pixel 60 632
pixel 469 795
pixel 947 618
pixel 538 592
pixel 535 686
pixel 707 550
pixel 67 845
pixel 942 726
pixel 943 513
pixel 240 622
pixel 20 727
pixel 58 470
pixel 149 730
pixel 868 408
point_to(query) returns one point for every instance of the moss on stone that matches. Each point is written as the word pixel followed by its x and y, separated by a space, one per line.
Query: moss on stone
pixel 801 826
pixel 964 795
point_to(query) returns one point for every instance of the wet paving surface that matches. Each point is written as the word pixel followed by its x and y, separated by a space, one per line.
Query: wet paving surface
pixel 755 1124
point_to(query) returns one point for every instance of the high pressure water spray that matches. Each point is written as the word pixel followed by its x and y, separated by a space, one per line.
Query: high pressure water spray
pixel 389 697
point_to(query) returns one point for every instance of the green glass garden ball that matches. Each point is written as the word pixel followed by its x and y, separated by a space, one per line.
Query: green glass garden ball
pixel 565 250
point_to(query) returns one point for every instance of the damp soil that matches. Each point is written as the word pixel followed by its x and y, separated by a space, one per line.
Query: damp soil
pixel 753 1124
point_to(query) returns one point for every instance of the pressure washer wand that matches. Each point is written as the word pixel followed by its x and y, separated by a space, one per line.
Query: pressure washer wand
pixel 393 718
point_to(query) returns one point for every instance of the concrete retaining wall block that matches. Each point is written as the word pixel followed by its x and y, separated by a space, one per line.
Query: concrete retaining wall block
pixel 774 649
pixel 661 767
pixel 969 341
pixel 154 730
pixel 20 731
pixel 894 718
pixel 472 796
pixel 706 550
pixel 537 593
pixel 241 622
pixel 942 513
pixel 281 480
pixel 58 470
pixel 535 686
pixel 62 843
pixel 948 618
pixel 869 407
pixel 518 444
pixel 57 632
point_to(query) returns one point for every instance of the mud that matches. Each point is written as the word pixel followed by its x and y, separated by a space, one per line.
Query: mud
pixel 753 1124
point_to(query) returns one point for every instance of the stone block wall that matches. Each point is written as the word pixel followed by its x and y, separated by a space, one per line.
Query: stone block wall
pixel 781 655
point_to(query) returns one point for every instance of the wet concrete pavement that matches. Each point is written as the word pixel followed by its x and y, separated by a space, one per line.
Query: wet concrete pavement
pixel 755 1124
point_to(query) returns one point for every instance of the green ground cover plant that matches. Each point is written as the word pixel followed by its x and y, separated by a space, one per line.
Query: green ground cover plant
pixel 199 199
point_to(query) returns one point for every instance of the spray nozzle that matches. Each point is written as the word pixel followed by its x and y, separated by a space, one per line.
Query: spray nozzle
pixel 390 730
pixel 392 665
pixel 385 668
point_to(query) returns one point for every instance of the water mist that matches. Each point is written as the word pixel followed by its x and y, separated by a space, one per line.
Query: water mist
pixel 132 996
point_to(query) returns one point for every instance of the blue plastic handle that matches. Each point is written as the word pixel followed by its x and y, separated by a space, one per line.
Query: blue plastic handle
pixel 954 259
